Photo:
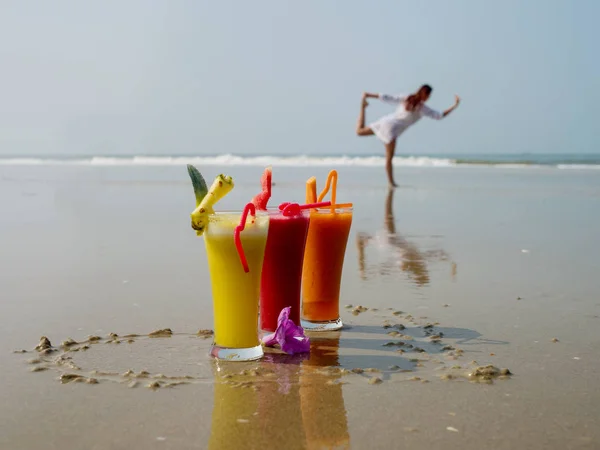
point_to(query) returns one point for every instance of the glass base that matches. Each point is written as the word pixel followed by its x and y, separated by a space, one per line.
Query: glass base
pixel 236 354
pixel 329 325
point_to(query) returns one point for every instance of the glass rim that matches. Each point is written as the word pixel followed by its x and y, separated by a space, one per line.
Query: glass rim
pixel 321 210
pixel 275 210
pixel 237 211
pixel 327 210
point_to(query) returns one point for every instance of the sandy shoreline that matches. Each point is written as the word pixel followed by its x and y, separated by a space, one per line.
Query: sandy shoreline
pixel 503 273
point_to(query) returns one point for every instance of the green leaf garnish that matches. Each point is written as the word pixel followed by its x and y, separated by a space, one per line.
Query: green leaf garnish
pixel 200 187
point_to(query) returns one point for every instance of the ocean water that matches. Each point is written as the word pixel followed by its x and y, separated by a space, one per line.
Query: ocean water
pixel 514 161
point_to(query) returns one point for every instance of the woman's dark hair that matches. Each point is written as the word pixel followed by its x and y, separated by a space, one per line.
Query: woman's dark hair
pixel 414 100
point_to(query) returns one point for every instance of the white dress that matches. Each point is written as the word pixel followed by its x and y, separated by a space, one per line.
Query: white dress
pixel 393 125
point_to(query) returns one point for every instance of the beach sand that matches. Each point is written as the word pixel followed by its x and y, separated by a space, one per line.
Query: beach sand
pixel 501 264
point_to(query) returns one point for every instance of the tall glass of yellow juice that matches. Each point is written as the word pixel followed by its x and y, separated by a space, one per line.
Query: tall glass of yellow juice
pixel 235 292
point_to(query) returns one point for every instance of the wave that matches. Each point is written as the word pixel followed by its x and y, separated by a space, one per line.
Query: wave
pixel 296 161
pixel 578 166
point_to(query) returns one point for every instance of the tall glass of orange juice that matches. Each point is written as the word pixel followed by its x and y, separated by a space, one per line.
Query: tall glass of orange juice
pixel 324 259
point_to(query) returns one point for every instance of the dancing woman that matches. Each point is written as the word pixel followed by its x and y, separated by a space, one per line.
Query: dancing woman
pixel 409 110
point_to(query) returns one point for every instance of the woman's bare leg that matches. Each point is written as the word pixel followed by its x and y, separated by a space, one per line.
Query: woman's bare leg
pixel 361 130
pixel 390 150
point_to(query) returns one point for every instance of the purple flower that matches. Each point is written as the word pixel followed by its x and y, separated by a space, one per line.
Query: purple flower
pixel 290 337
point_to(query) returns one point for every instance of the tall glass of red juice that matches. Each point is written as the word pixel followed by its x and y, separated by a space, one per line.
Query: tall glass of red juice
pixel 282 267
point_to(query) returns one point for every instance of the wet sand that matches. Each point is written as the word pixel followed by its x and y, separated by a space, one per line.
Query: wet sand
pixel 459 269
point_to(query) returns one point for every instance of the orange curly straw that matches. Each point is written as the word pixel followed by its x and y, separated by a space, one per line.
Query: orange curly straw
pixel 331 182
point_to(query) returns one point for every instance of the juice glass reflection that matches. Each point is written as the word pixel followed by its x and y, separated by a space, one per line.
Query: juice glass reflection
pixel 258 407
pixel 322 400
pixel 234 416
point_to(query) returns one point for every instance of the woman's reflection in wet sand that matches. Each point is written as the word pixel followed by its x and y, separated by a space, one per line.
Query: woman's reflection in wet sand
pixel 412 260
pixel 258 411
pixel 321 397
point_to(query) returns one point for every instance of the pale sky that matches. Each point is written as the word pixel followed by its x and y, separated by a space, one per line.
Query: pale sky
pixel 285 77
